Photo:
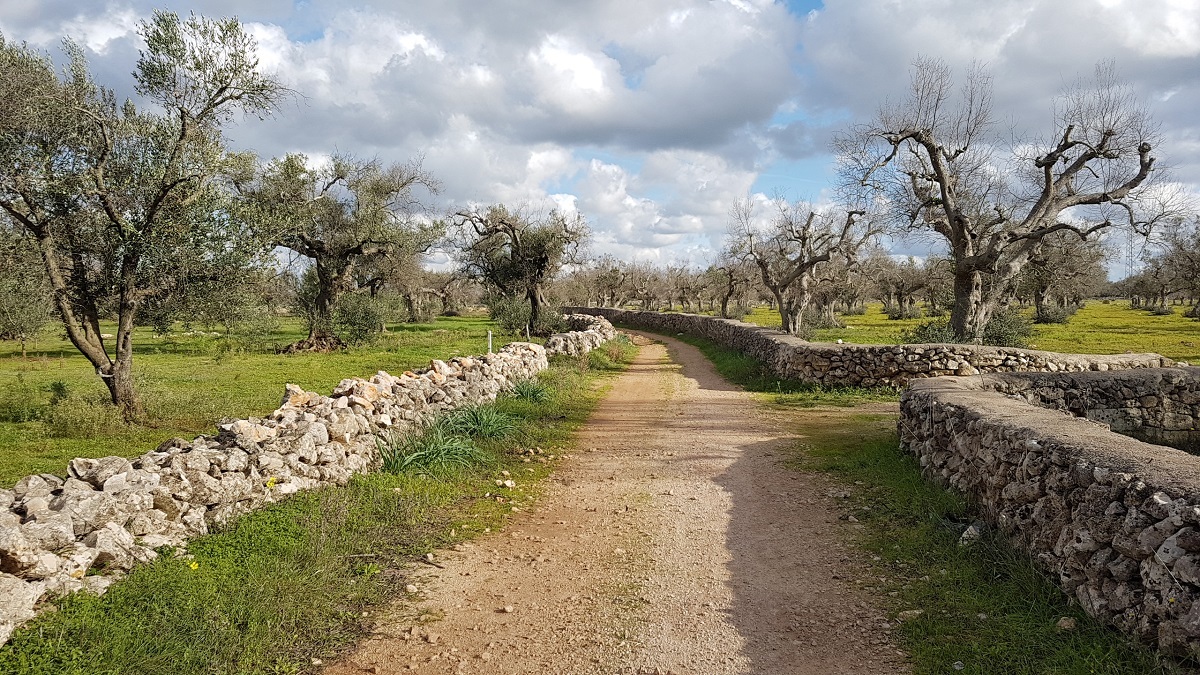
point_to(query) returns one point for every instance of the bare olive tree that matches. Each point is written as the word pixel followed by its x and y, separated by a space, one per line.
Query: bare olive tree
pixel 937 160
pixel 790 249
pixel 517 254
pixel 1065 268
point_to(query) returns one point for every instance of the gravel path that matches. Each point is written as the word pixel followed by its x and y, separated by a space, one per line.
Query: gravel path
pixel 671 542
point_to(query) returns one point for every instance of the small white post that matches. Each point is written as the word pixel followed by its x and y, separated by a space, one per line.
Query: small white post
pixel 489 342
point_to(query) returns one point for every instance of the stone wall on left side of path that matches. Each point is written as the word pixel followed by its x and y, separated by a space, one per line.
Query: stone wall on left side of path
pixel 586 332
pixel 112 512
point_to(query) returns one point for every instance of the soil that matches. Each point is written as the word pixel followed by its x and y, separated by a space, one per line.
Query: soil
pixel 672 541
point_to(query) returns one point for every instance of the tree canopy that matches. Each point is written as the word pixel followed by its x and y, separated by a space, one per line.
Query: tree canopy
pixel 122 201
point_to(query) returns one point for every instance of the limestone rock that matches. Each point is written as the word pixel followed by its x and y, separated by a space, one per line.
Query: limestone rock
pixel 17 600
pixel 96 471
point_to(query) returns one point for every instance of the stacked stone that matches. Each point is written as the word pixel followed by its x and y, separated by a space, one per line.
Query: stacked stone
pixel 1117 520
pixel 586 333
pixel 831 364
pixel 112 513
pixel 1155 405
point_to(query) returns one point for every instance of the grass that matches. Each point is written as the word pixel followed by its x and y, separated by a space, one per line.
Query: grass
pixel 436 451
pixel 301 580
pixel 188 382
pixel 1098 328
pixel 754 376
pixel 987 606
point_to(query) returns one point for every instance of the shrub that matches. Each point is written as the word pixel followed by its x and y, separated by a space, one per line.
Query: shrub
pixel 1193 312
pixel 736 311
pixel 1161 310
pixel 531 390
pixel 437 452
pixel 513 314
pixel 816 319
pixel 934 331
pixel 480 421
pixel 902 311
pixel 855 310
pixel 1008 328
pixel 1055 314
pixel 357 318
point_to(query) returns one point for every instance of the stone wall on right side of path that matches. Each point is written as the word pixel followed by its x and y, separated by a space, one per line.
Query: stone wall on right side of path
pixel 1157 405
pixel 831 364
pixel 1116 520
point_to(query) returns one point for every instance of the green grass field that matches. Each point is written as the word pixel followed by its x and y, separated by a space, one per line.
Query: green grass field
pixel 1098 328
pixel 187 384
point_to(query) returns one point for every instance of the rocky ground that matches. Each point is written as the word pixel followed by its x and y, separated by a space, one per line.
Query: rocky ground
pixel 673 541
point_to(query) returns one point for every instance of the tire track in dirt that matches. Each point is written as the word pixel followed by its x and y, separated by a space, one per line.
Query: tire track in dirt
pixel 671 542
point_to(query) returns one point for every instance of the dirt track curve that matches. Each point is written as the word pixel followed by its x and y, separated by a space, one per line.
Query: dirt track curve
pixel 672 542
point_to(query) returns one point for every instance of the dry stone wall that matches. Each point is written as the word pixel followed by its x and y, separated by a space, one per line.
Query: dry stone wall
pixel 1160 405
pixel 586 333
pixel 112 513
pixel 831 364
pixel 1117 520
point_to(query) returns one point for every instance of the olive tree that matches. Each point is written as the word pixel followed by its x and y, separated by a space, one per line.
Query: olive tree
pixel 938 160
pixel 112 195
pixel 515 254
pixel 789 249
pixel 25 301
pixel 340 215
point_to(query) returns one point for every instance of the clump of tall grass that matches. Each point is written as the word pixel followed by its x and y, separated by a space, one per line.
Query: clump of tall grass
pixel 479 421
pixel 437 452
pixel 531 390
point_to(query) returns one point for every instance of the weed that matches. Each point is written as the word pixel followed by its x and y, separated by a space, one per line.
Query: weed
pixel 612 355
pixel 531 390
pixel 437 452
pixel 479 421
pixel 19 402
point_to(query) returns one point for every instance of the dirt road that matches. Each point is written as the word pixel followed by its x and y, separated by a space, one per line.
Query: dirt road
pixel 672 542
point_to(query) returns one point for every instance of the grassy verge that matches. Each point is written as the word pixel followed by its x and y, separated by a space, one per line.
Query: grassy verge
pixel 752 375
pixel 298 582
pixel 52 405
pixel 984 608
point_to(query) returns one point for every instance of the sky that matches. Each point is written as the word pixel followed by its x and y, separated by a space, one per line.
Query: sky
pixel 650 117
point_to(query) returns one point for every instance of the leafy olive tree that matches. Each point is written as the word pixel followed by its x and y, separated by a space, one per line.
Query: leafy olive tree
pixel 341 215
pixel 113 195
pixel 25 301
